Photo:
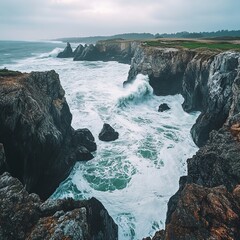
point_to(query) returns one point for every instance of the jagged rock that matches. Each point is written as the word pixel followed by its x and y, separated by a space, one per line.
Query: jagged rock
pixel 36 131
pixel 217 163
pixel 110 50
pixel 159 235
pixel 78 52
pixel 24 216
pixel 203 213
pixel 207 80
pixel 67 52
pixel 83 154
pixel 108 133
pixel 89 53
pixel 163 107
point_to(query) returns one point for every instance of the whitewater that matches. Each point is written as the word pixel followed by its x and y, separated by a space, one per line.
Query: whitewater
pixel 134 176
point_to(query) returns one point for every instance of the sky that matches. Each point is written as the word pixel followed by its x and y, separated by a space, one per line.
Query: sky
pixel 50 19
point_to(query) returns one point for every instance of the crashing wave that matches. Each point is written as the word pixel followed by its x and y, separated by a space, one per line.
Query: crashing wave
pixel 136 92
pixel 53 53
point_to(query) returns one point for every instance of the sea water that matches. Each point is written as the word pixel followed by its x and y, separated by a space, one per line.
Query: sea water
pixel 134 176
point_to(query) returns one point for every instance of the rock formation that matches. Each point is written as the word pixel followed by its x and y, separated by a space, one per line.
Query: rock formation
pixel 25 216
pixel 40 145
pixel 163 107
pixel 204 78
pixel 67 52
pixel 207 204
pixel 108 133
pixel 110 50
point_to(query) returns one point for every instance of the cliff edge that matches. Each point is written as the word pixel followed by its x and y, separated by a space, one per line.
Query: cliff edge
pixel 40 145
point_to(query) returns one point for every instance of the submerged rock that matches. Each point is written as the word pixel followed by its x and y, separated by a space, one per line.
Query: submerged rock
pixel 67 52
pixel 108 133
pixel 25 216
pixel 163 107
pixel 40 145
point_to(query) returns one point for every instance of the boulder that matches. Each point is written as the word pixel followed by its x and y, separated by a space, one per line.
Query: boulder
pixel 163 107
pixel 83 154
pixel 25 216
pixel 67 52
pixel 108 133
pixel 84 138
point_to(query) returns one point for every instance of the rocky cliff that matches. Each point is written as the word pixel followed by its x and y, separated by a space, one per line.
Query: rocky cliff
pixel 40 145
pixel 109 50
pixel 204 78
pixel 25 216
pixel 207 204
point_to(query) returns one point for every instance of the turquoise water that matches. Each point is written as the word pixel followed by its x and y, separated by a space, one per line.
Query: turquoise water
pixel 135 175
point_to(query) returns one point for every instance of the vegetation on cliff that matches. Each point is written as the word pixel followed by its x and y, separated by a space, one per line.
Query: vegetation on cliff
pixel 195 44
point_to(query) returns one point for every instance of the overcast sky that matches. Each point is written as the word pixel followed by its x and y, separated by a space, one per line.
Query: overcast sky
pixel 47 19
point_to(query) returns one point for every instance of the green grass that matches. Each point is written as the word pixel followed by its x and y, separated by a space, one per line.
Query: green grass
pixel 8 73
pixel 194 45
pixel 221 46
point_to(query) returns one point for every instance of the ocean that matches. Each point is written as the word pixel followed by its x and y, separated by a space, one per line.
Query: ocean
pixel 134 176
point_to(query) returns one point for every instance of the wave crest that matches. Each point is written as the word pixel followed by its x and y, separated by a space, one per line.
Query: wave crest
pixel 136 92
pixel 53 53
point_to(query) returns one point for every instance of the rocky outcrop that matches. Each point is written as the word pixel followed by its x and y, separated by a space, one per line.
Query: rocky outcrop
pixel 40 145
pixel 25 216
pixel 207 204
pixel 67 52
pixel 163 107
pixel 204 213
pixel 206 79
pixel 107 133
pixel 109 50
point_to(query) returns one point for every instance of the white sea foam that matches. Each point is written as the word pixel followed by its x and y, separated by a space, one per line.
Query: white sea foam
pixel 53 53
pixel 135 175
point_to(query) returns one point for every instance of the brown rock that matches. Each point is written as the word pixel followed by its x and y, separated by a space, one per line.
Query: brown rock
pixel 204 213
pixel 25 216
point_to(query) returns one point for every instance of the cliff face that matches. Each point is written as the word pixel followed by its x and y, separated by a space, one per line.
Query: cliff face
pixel 40 145
pixel 207 204
pixel 110 50
pixel 25 216
pixel 204 78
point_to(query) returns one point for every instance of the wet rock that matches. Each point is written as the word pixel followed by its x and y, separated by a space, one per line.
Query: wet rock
pixel 163 107
pixel 77 52
pixel 217 163
pixel 67 52
pixel 83 154
pixel 108 133
pixel 36 131
pixel 26 217
pixel 207 80
pixel 110 50
pixel 84 138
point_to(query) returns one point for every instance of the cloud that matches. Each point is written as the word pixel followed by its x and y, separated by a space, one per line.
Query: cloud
pixel 59 18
